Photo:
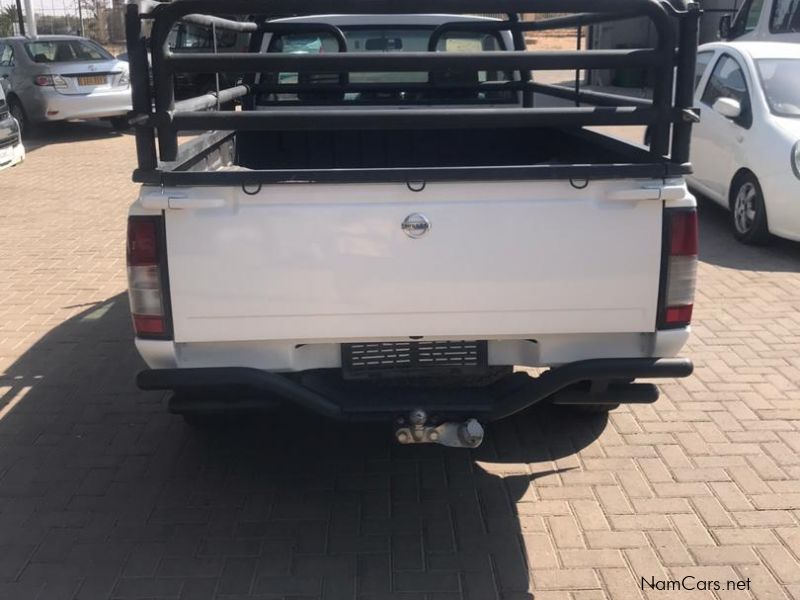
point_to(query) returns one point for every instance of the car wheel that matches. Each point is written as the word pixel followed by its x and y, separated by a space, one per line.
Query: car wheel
pixel 16 110
pixel 748 211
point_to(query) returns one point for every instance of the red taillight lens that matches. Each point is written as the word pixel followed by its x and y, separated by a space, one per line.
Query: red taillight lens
pixel 56 81
pixel 679 314
pixel 144 324
pixel 683 233
pixel 681 268
pixel 143 241
pixel 145 287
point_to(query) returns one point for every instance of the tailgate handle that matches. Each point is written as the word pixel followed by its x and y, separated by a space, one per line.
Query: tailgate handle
pixel 179 201
pixel 196 203
pixel 634 195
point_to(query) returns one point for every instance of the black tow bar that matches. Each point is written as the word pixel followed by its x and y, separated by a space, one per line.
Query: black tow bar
pixel 501 401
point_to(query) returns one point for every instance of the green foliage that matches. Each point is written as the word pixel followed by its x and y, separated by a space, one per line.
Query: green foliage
pixel 8 16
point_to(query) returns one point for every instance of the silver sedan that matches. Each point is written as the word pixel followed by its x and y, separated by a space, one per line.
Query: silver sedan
pixel 55 78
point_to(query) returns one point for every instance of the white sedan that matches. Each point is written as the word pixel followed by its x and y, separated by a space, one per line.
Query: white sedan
pixel 746 148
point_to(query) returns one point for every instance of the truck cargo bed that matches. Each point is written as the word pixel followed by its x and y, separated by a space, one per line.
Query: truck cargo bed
pixel 386 156
pixel 426 148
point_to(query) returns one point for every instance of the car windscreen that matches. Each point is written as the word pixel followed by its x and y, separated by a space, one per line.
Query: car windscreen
pixel 64 51
pixel 780 79
pixel 389 39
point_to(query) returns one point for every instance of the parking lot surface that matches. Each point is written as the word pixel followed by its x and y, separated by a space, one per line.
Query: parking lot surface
pixel 104 495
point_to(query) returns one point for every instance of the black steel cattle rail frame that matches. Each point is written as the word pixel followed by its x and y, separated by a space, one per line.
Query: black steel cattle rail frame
pixel 157 115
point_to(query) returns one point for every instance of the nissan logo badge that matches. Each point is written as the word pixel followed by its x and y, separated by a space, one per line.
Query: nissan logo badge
pixel 416 225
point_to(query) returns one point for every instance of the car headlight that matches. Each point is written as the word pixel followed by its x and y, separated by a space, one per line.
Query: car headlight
pixel 124 79
pixel 796 160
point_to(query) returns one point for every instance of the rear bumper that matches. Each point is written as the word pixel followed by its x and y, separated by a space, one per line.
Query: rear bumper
pixel 53 106
pixel 297 355
pixel 11 148
pixel 323 393
pixel 12 155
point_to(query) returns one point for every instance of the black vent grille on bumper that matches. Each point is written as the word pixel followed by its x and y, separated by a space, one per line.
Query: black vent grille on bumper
pixel 403 359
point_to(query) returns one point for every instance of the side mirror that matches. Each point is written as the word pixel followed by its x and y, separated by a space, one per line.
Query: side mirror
pixel 725 27
pixel 728 107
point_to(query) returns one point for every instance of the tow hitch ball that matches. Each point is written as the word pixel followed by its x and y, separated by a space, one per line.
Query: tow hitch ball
pixel 415 430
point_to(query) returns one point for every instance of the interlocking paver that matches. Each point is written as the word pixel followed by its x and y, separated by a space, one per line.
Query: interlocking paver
pixel 103 495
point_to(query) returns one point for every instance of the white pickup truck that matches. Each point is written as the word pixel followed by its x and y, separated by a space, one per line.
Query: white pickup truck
pixel 400 223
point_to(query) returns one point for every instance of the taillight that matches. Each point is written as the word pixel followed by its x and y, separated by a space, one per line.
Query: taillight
pixel 55 81
pixel 678 283
pixel 146 289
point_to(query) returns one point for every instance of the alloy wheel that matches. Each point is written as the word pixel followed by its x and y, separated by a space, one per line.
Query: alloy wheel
pixel 744 208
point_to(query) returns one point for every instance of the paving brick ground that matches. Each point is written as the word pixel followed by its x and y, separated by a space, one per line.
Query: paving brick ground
pixel 103 495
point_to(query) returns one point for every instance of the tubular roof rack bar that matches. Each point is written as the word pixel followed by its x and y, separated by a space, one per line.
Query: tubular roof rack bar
pixel 557 91
pixel 597 98
pixel 136 43
pixel 521 45
pixel 146 7
pixel 211 99
pixel 220 23
pixel 564 22
pixel 309 7
pixel 577 20
pixel 413 61
pixel 661 61
pixel 448 118
pixel 684 88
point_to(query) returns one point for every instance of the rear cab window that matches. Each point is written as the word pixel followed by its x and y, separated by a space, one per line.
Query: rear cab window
pixel 188 36
pixel 388 39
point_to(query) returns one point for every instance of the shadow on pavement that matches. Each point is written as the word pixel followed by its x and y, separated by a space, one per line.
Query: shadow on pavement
pixel 64 132
pixel 718 246
pixel 103 494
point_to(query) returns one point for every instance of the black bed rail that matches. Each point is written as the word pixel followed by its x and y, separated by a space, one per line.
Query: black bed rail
pixel 424 118
pixel 588 96
pixel 156 113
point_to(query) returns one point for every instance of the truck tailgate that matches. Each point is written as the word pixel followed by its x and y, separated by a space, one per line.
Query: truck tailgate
pixel 314 262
